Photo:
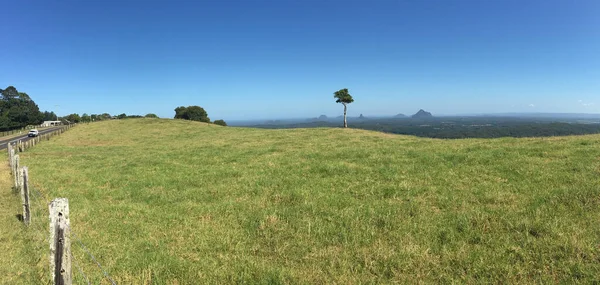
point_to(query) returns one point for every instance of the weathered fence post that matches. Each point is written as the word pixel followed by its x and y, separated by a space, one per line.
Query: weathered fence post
pixel 60 242
pixel 25 195
pixel 19 178
pixel 14 171
pixel 11 152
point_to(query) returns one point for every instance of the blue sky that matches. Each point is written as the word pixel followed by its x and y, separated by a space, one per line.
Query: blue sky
pixel 255 59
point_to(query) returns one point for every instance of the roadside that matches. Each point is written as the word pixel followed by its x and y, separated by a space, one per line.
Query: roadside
pixel 23 132
pixel 4 140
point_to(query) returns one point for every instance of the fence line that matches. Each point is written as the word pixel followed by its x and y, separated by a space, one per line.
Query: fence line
pixel 60 229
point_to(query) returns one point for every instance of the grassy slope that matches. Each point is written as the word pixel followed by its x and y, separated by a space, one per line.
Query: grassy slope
pixel 181 202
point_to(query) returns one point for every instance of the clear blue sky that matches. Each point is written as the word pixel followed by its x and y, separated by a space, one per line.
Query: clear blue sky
pixel 249 59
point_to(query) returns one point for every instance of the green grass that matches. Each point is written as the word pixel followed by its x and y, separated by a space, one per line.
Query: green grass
pixel 177 202
pixel 20 256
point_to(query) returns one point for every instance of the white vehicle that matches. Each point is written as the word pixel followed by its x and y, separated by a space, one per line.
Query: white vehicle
pixel 33 133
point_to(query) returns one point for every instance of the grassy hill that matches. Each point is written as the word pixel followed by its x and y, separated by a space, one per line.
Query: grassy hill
pixel 178 202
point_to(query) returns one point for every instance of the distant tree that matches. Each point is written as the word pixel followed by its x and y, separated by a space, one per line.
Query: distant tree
pixel 49 116
pixel 150 115
pixel 345 98
pixel 192 113
pixel 220 122
pixel 73 118
pixel 122 116
pixel 179 112
pixel 85 118
pixel 105 116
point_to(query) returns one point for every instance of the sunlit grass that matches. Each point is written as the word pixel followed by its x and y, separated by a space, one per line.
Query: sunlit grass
pixel 177 202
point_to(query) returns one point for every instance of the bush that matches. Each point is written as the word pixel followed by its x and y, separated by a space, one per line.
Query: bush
pixel 220 122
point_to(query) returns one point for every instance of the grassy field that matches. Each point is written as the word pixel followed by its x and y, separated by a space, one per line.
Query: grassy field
pixel 177 202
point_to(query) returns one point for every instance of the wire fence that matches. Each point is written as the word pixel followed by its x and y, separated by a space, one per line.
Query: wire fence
pixel 37 216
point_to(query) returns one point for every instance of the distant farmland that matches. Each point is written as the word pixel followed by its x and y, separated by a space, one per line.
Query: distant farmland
pixel 456 127
pixel 179 202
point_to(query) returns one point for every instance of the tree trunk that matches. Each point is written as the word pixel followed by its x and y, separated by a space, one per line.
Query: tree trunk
pixel 345 123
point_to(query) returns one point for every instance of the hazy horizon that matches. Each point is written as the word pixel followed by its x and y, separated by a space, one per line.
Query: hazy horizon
pixel 374 116
pixel 249 60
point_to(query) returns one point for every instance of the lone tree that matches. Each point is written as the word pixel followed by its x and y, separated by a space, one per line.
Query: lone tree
pixel 192 113
pixel 345 98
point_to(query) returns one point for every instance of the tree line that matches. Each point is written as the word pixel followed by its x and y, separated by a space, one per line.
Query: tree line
pixel 18 110
pixel 87 118
pixel 192 113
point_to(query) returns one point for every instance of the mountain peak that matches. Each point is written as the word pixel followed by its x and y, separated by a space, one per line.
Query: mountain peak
pixel 422 114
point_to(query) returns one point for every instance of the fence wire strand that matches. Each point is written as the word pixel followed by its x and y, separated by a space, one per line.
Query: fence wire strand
pixel 87 280
pixel 38 226
pixel 92 257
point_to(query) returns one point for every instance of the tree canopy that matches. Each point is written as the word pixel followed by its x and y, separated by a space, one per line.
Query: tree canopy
pixel 17 110
pixel 343 96
pixel 192 113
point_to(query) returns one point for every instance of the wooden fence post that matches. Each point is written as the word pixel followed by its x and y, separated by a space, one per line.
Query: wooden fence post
pixel 19 179
pixel 14 171
pixel 25 195
pixel 11 153
pixel 60 242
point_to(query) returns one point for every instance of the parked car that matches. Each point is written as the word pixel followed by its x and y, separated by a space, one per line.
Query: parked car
pixel 33 133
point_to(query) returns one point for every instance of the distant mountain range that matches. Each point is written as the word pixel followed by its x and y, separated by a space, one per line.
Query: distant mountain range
pixel 420 115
